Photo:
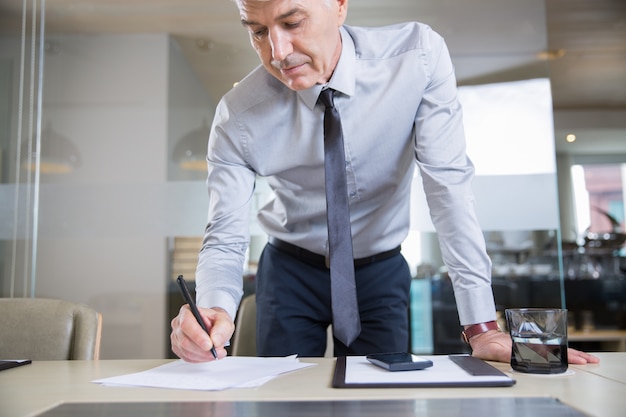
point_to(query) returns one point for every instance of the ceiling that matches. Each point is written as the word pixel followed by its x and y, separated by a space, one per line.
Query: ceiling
pixel 583 50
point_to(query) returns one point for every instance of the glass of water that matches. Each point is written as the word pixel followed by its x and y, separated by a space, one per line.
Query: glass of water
pixel 539 339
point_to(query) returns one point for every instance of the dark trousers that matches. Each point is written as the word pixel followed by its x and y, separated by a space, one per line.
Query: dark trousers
pixel 294 311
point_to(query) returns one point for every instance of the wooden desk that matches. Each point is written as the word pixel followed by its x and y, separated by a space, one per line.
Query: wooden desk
pixel 598 390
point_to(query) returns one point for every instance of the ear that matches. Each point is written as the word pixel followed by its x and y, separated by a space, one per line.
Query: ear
pixel 342 6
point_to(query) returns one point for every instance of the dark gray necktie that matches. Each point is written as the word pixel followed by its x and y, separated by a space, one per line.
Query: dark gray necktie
pixel 346 321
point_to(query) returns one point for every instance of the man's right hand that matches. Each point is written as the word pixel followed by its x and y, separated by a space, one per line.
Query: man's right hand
pixel 191 343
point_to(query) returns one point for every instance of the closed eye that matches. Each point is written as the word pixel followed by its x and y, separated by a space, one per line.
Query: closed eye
pixel 259 33
pixel 293 25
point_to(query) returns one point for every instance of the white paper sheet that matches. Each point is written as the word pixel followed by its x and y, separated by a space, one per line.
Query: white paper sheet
pixel 230 372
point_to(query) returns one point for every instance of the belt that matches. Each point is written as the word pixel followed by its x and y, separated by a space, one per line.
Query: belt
pixel 321 260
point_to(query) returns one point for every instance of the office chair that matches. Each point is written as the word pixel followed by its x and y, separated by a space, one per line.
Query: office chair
pixel 244 338
pixel 48 329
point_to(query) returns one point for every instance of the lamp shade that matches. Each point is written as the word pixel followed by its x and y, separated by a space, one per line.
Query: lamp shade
pixel 58 154
pixel 190 151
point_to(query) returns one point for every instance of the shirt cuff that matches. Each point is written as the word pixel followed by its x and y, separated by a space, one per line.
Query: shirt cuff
pixel 475 306
pixel 218 299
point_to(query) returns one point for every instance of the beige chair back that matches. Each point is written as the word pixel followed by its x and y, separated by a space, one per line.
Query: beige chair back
pixel 244 338
pixel 47 329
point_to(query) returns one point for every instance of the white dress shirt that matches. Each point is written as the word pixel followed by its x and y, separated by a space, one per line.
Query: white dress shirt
pixel 397 97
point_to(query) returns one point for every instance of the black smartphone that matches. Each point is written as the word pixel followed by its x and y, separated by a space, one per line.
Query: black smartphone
pixel 399 361
pixel 12 364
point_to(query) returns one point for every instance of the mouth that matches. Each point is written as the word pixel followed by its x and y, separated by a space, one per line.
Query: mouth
pixel 288 71
pixel 289 66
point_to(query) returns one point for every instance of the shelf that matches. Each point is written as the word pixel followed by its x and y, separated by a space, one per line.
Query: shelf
pixel 614 340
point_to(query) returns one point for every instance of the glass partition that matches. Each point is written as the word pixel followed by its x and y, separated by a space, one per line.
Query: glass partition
pixel 22 49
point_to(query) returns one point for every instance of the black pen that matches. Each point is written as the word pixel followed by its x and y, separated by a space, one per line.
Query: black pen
pixel 194 309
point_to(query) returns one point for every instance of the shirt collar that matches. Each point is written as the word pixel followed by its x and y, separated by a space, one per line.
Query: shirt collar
pixel 344 76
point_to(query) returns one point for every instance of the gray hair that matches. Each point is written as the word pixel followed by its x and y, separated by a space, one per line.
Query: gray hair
pixel 328 2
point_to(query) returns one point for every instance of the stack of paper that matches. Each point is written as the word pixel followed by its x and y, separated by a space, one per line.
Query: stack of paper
pixel 230 372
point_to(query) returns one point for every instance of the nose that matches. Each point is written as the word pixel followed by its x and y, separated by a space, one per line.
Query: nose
pixel 281 44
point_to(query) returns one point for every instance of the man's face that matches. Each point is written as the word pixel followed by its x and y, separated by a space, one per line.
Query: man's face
pixel 298 41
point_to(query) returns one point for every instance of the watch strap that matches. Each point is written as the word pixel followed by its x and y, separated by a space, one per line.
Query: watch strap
pixel 478 328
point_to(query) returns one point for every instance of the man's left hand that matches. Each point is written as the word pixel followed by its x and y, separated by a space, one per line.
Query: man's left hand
pixel 496 346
